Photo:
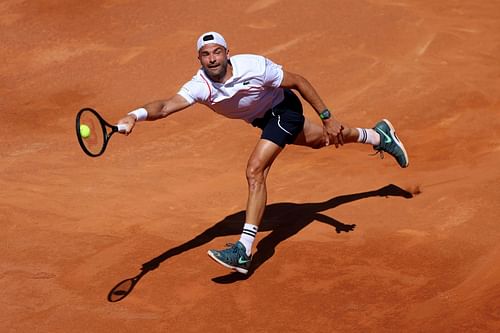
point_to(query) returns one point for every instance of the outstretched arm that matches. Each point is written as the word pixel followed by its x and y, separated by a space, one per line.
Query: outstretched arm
pixel 154 111
pixel 332 127
pixel 339 226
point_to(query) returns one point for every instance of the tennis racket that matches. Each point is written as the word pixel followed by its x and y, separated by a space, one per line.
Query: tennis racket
pixel 93 132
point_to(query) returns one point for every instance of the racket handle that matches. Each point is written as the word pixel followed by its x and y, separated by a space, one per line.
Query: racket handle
pixel 121 128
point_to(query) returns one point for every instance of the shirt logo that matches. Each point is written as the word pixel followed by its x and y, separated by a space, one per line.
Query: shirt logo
pixel 246 83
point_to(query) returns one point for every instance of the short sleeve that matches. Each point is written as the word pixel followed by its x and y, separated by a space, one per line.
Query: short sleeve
pixel 194 91
pixel 188 93
pixel 273 75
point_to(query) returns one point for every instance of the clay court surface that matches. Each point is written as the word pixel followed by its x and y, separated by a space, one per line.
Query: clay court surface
pixel 424 254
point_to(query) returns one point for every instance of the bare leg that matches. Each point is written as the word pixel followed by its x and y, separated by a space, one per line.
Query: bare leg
pixel 258 167
pixel 313 136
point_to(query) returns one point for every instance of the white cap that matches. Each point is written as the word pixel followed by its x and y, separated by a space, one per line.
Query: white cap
pixel 210 37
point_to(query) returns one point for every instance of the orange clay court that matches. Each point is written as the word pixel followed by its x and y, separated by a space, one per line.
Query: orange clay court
pixel 424 254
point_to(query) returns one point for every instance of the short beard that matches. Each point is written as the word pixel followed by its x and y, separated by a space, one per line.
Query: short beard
pixel 220 76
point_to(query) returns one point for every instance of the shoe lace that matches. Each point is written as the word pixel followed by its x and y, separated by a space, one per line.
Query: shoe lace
pixel 379 152
pixel 231 247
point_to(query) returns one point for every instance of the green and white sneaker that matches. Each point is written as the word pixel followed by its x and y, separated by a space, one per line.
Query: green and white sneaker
pixel 234 257
pixel 390 143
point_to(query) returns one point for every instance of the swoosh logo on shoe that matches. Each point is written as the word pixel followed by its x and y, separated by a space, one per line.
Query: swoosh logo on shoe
pixel 387 138
pixel 242 261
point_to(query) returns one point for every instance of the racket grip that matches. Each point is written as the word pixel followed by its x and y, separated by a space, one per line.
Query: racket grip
pixel 121 128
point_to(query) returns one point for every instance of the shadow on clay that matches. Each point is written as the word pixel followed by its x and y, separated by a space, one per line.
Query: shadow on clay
pixel 282 219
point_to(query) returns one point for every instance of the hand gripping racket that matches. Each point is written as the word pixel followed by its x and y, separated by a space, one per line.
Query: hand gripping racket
pixel 93 132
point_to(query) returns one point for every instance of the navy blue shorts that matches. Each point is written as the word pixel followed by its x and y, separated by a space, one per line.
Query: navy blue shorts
pixel 284 122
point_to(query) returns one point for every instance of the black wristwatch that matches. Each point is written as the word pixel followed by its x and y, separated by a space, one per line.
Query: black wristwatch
pixel 325 114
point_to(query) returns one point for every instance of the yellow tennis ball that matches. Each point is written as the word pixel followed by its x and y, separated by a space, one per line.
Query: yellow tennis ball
pixel 84 131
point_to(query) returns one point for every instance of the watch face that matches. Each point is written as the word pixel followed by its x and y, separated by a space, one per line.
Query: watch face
pixel 325 114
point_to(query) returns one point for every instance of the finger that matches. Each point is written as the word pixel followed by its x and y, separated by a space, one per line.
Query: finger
pixel 129 128
pixel 326 138
pixel 336 141
pixel 340 137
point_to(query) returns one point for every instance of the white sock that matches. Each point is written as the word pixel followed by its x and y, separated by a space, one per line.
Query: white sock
pixel 248 236
pixel 368 135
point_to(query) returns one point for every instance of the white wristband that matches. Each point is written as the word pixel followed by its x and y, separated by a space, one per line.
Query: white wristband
pixel 140 114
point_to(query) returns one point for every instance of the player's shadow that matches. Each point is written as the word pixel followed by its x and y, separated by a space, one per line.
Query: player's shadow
pixel 282 219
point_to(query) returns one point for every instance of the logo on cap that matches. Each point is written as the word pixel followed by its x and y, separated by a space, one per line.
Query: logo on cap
pixel 210 37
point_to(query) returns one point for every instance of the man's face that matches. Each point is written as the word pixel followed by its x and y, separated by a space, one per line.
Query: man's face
pixel 214 58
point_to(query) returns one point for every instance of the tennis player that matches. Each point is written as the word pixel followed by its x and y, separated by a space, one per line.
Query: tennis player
pixel 262 93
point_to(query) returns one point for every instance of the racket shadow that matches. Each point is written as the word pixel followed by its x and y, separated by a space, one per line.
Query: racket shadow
pixel 282 219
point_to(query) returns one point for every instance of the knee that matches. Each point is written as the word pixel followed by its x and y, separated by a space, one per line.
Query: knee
pixel 255 173
pixel 317 144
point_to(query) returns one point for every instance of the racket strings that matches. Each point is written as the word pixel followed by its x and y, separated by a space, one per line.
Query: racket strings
pixel 95 139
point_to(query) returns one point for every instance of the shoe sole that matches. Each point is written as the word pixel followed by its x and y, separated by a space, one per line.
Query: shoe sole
pixel 217 260
pixel 398 142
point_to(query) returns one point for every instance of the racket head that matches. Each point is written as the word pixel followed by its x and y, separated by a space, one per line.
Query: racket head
pixel 122 289
pixel 95 143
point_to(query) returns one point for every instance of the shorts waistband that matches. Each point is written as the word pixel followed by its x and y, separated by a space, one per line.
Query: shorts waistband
pixel 290 102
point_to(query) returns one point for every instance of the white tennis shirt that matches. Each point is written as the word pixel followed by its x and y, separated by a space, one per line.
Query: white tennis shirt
pixel 248 94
